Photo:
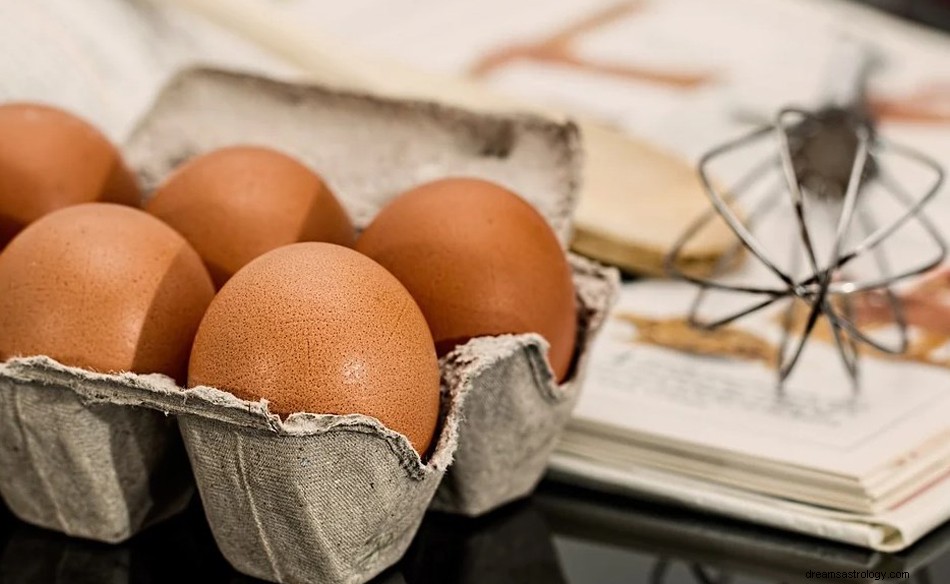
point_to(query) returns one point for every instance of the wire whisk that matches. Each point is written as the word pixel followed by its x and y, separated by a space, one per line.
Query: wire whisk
pixel 825 162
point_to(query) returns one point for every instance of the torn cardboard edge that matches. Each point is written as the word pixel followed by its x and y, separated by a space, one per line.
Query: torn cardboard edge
pixel 161 393
pixel 515 409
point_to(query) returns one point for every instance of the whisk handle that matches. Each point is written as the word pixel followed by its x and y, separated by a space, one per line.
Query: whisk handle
pixel 848 71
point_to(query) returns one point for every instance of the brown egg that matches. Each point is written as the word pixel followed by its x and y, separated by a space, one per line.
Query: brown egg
pixel 480 261
pixel 103 287
pixel 51 159
pixel 316 327
pixel 237 203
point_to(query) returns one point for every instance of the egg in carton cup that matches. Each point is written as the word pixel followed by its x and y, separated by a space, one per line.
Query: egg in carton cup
pixel 515 409
pixel 310 498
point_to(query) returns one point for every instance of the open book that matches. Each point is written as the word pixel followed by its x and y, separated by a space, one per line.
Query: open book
pixel 870 468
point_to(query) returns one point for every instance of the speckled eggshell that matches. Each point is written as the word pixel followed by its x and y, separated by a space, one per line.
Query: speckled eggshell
pixel 479 261
pixel 51 159
pixel 237 203
pixel 316 327
pixel 102 287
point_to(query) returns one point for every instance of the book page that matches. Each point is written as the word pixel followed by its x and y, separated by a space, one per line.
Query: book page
pixel 719 402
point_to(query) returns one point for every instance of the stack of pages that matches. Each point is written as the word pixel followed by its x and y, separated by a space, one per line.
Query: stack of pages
pixel 676 542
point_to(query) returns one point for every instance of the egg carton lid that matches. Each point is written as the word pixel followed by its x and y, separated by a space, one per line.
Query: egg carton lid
pixel 337 134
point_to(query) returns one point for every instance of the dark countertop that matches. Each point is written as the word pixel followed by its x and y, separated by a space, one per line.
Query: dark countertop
pixel 560 535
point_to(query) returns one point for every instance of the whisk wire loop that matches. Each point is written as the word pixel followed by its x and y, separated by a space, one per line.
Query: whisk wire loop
pixel 848 135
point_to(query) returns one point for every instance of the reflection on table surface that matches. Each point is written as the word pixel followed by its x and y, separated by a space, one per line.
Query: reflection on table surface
pixel 561 535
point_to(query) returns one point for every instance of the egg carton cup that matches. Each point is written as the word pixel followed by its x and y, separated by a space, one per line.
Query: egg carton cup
pixel 86 468
pixel 515 409
pixel 310 498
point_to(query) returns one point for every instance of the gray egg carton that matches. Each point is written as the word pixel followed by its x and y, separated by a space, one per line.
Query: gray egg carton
pixel 310 498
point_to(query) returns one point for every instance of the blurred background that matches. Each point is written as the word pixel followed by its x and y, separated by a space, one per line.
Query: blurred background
pixel 653 67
